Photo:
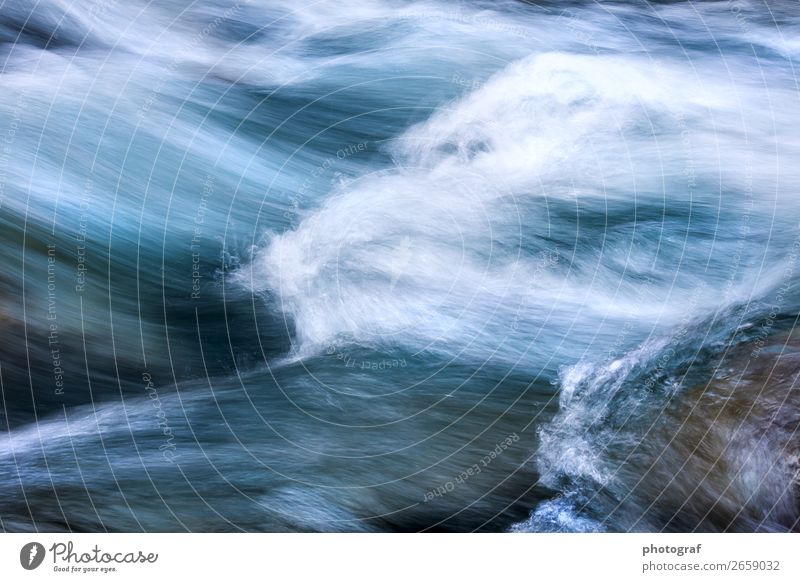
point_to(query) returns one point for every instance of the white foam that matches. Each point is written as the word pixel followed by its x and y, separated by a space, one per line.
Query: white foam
pixel 428 250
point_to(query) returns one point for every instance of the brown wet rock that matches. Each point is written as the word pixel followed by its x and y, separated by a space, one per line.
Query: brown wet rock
pixel 724 456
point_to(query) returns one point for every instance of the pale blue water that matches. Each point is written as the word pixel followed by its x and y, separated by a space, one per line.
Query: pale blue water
pixel 311 264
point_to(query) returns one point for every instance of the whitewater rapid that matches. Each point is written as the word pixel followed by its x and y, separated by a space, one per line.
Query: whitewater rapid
pixel 352 247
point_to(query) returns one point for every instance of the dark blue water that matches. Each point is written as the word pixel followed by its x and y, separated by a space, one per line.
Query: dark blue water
pixel 399 266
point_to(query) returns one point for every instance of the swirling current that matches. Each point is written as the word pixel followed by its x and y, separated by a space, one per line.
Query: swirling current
pixel 399 266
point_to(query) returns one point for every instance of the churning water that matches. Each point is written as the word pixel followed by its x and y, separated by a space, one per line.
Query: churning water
pixel 411 265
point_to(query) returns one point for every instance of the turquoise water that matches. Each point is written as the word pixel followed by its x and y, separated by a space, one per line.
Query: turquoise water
pixel 372 266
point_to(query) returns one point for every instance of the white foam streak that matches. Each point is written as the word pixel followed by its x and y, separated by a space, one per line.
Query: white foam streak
pixel 432 250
